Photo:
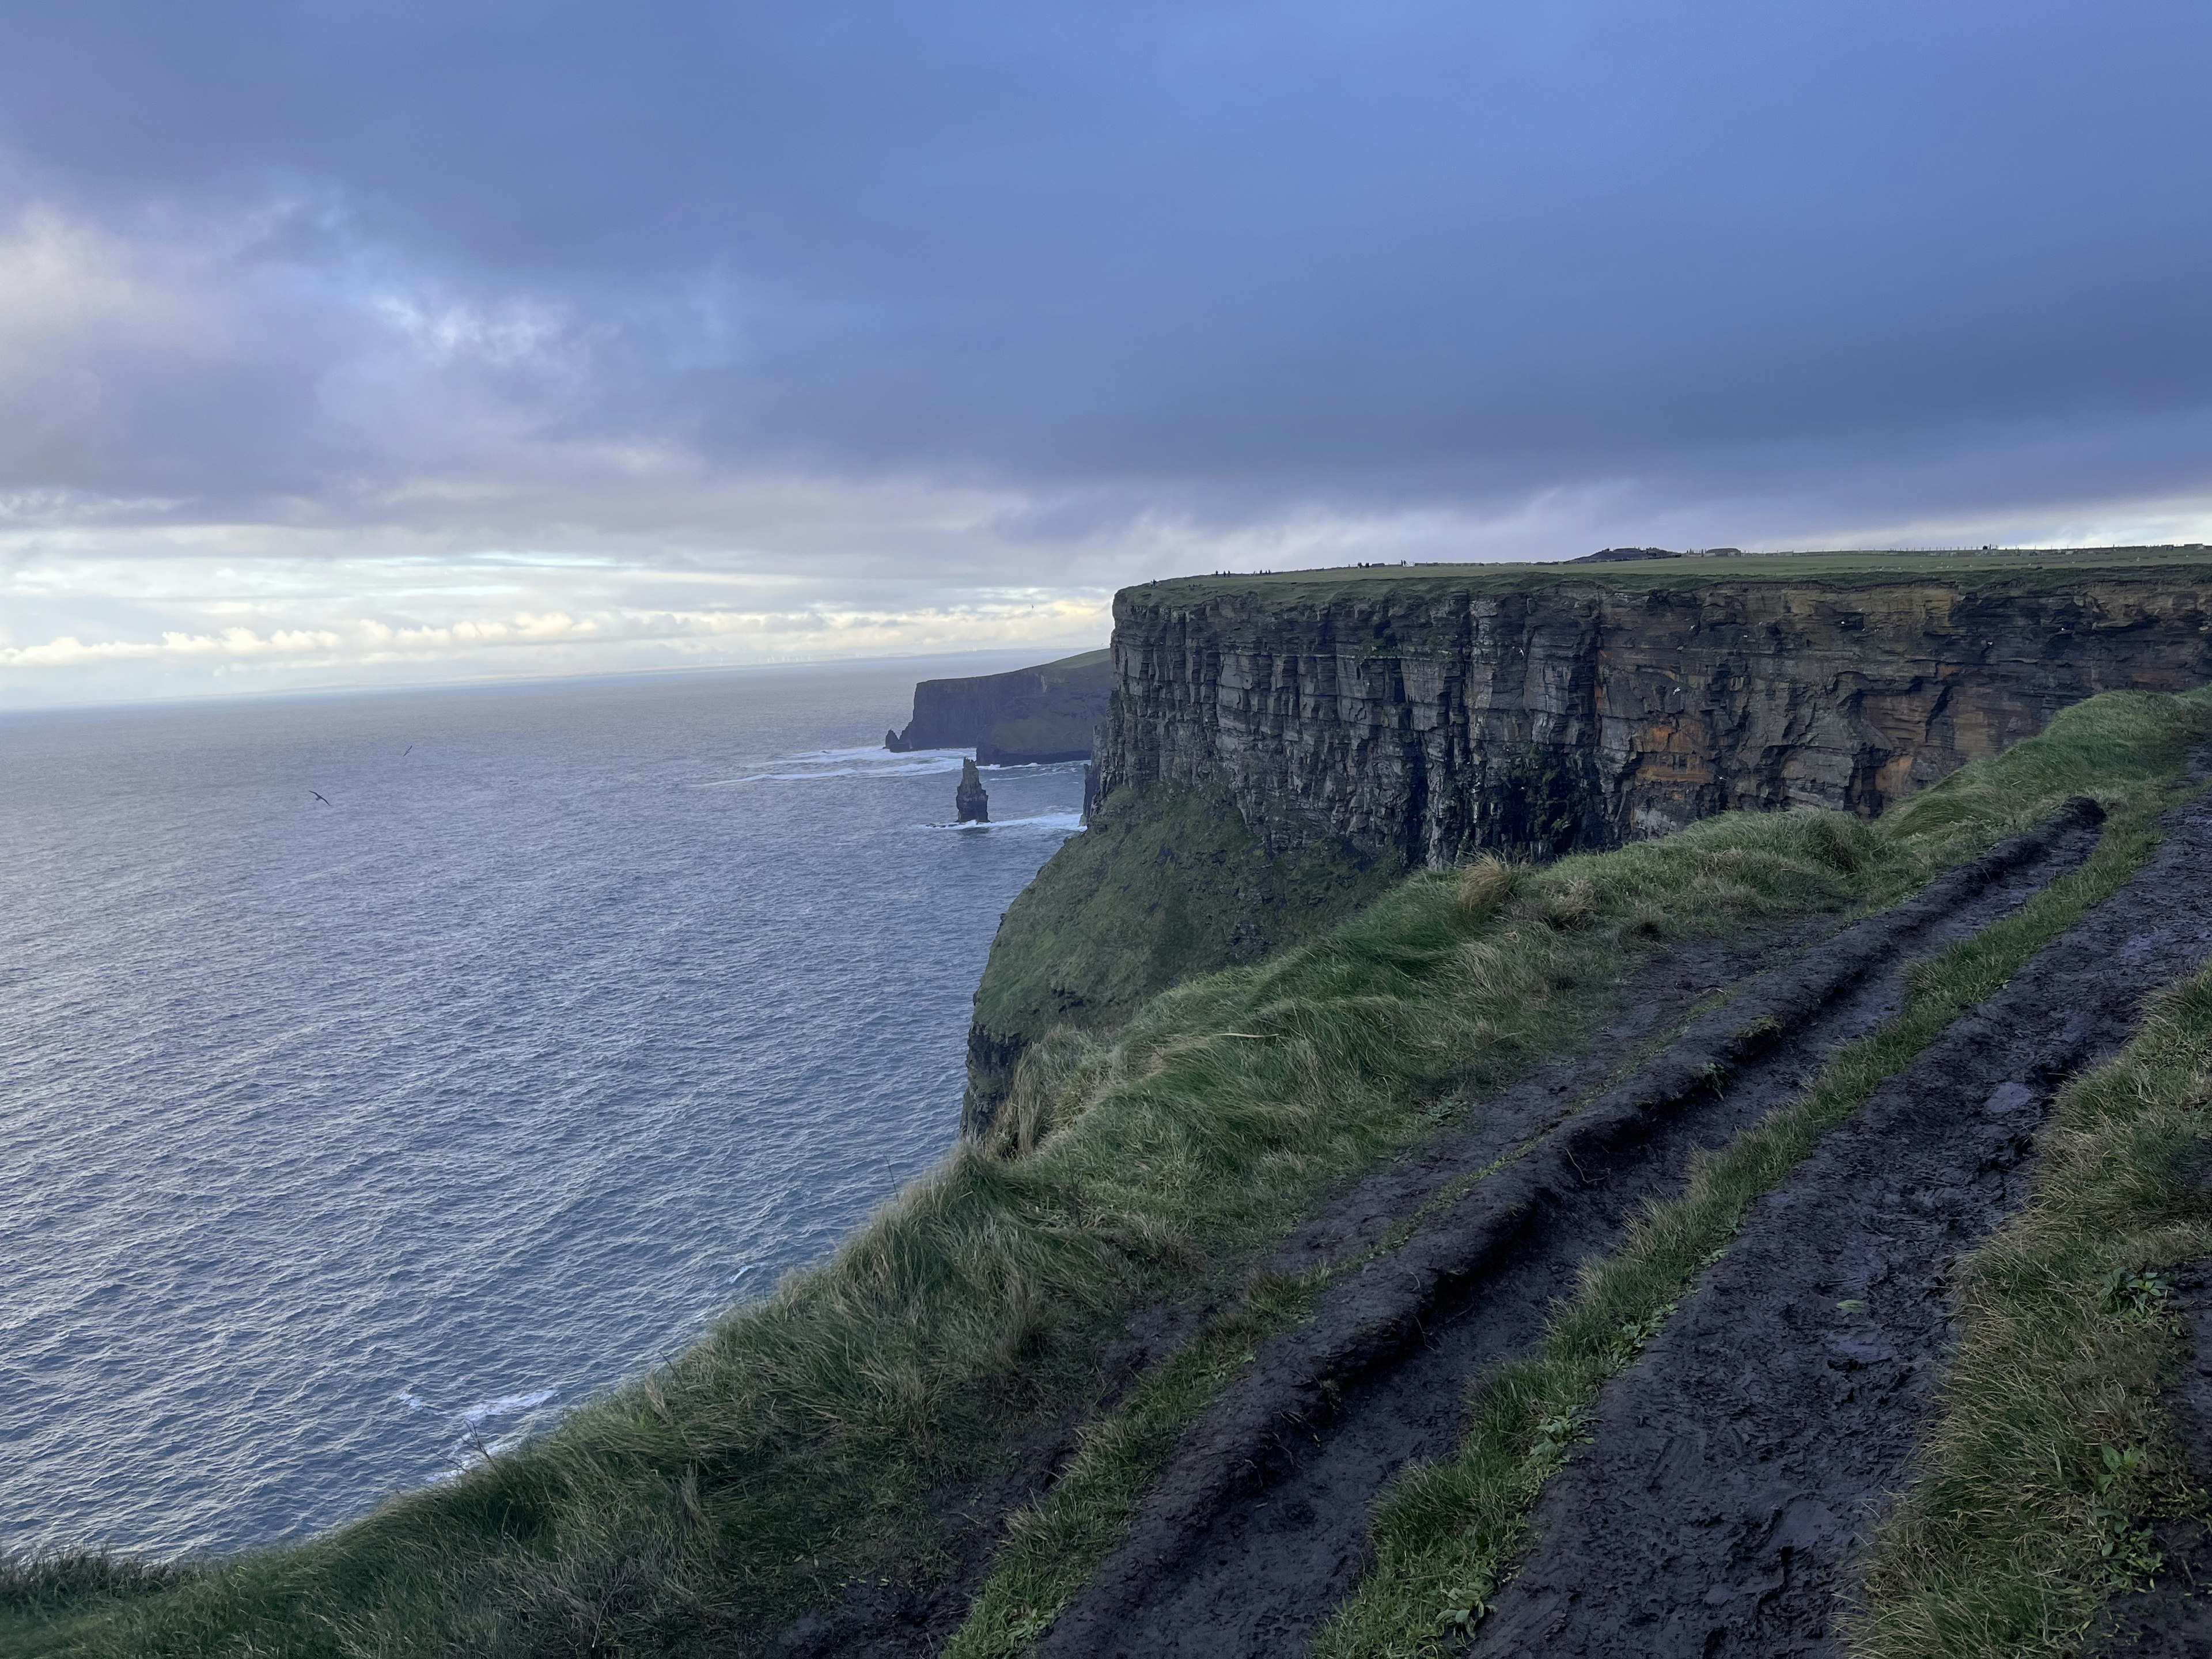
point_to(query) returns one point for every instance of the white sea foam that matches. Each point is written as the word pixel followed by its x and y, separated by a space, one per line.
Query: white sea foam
pixel 901 766
pixel 505 1406
pixel 879 764
pixel 1048 821
pixel 839 756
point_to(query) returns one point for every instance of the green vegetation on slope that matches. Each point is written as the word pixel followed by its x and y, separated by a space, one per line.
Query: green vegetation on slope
pixel 1447 1537
pixel 39 1597
pixel 2052 1448
pixel 798 1448
pixel 1166 884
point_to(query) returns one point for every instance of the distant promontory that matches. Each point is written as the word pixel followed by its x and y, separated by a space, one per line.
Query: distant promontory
pixel 1023 717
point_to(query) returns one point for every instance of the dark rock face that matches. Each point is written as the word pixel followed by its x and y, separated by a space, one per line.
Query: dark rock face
pixel 968 800
pixel 1428 722
pixel 1048 713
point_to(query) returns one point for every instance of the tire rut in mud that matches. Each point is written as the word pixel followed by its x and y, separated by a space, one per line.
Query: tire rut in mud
pixel 1259 1528
pixel 1733 1473
pixel 901 1619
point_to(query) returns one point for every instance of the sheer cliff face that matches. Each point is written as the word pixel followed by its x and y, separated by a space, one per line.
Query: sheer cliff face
pixel 1410 718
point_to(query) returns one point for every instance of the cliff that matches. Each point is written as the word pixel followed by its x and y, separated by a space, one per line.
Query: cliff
pixel 1365 722
pixel 1047 712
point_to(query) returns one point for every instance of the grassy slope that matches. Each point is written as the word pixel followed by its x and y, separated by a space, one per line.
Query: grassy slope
pixel 795 1448
pixel 1082 659
pixel 1100 930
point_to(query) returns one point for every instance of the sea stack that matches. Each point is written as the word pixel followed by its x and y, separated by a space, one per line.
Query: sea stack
pixel 969 801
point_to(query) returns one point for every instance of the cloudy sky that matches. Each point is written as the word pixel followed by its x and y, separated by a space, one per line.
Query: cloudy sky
pixel 347 343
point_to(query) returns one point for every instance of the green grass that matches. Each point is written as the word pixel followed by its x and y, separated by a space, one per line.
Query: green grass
pixel 2050 1449
pixel 797 1448
pixel 1051 1548
pixel 1447 1537
pixel 1166 885
pixel 2017 569
pixel 38 1591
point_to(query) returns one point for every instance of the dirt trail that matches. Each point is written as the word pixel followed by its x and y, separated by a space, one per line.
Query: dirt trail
pixel 1733 1471
pixel 893 1619
pixel 1259 1529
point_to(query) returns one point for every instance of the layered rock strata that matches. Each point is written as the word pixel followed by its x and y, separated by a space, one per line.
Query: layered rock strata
pixel 1420 720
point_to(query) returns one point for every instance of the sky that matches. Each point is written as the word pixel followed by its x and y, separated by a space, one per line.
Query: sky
pixel 348 343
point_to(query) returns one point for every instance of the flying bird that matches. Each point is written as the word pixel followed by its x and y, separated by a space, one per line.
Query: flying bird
pixel 320 796
pixel 408 750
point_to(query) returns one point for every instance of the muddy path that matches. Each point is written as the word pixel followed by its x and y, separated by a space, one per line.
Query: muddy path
pixel 1732 1472
pixel 1259 1529
pixel 898 1620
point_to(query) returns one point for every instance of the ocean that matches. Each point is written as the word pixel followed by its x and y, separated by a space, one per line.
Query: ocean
pixel 382 1074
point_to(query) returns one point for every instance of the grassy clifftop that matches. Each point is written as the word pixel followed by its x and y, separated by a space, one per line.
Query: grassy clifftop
pixel 818 1449
pixel 2037 569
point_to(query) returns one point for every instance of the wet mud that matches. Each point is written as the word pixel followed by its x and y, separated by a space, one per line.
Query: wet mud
pixel 897 1620
pixel 1733 1473
pixel 1259 1529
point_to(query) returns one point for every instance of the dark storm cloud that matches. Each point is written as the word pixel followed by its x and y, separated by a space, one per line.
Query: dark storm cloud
pixel 1886 259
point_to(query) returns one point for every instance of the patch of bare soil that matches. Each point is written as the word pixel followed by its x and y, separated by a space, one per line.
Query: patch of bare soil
pixel 1733 1471
pixel 1259 1529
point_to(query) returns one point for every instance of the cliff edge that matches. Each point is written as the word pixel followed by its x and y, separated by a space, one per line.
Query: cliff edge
pixel 1276 748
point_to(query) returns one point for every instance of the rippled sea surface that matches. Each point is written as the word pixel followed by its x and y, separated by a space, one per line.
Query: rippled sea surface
pixel 339 1139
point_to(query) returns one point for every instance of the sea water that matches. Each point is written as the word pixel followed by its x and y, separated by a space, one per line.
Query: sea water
pixel 381 1075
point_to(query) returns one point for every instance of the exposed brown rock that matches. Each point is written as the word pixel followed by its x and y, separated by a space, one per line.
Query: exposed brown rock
pixel 1579 713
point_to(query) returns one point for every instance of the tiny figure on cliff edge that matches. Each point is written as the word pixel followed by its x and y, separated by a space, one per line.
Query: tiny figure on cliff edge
pixel 969 801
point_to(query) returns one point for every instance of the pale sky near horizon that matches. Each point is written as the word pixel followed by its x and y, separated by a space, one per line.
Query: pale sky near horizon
pixel 408 343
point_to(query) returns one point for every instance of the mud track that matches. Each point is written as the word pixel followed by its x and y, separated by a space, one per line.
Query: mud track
pixel 1733 1471
pixel 1259 1528
pixel 900 1620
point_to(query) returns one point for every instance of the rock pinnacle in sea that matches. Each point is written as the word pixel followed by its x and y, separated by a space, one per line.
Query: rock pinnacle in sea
pixel 969 801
